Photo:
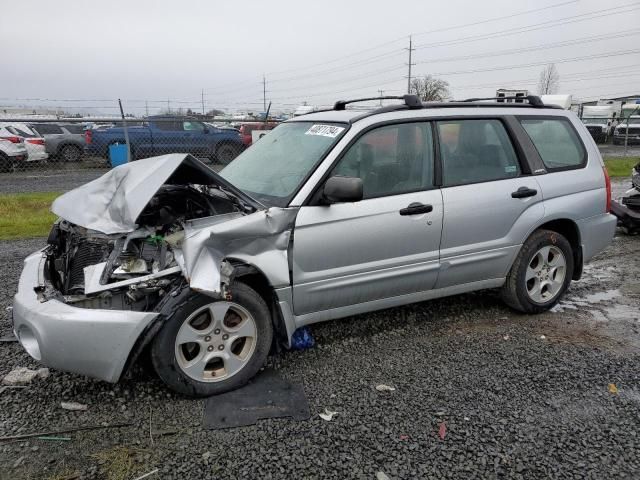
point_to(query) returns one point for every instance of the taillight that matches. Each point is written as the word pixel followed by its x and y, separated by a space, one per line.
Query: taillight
pixel 36 141
pixel 87 136
pixel 14 139
pixel 607 184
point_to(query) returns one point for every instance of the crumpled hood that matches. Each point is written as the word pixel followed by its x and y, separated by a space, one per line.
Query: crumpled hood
pixel 112 203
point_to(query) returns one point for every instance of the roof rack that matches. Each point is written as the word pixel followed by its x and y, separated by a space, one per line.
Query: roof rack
pixel 411 101
pixel 534 100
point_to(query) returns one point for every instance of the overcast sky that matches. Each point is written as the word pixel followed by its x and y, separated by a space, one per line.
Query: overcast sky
pixel 84 55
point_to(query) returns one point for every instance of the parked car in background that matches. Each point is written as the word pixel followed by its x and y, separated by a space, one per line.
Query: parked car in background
pixel 246 130
pixel 13 153
pixel 34 143
pixel 64 142
pixel 169 134
pixel 332 214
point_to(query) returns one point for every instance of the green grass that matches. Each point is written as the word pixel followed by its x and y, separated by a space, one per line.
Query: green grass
pixel 26 215
pixel 620 166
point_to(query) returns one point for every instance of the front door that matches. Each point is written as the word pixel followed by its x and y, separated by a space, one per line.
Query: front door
pixel 385 245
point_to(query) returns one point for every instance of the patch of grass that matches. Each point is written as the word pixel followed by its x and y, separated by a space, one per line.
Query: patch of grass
pixel 26 215
pixel 620 166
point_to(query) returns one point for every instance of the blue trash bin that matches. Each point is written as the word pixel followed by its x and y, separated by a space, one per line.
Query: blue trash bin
pixel 118 154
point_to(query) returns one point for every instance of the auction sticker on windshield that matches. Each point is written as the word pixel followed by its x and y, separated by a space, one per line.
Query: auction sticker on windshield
pixel 324 130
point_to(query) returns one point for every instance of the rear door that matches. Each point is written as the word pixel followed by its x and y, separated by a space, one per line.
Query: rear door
pixel 168 136
pixel 490 200
pixel 383 246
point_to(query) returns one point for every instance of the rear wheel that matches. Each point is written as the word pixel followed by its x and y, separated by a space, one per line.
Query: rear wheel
pixel 70 153
pixel 541 273
pixel 226 153
pixel 6 164
pixel 208 347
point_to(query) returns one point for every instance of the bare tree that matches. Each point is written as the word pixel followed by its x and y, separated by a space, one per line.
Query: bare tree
pixel 549 80
pixel 430 88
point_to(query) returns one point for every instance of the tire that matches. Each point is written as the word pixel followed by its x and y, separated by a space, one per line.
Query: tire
pixel 540 292
pixel 227 361
pixel 70 153
pixel 226 153
pixel 6 165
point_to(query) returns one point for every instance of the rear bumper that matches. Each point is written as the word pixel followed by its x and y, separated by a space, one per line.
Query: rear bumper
pixel 91 342
pixel 626 216
pixel 596 234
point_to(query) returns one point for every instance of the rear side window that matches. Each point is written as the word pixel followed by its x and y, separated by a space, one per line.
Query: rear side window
pixel 47 129
pixel 475 151
pixel 556 141
pixel 168 125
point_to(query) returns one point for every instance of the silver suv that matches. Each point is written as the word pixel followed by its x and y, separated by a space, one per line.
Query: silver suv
pixel 331 214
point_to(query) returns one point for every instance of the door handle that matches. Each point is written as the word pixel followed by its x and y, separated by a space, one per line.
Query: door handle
pixel 524 192
pixel 416 208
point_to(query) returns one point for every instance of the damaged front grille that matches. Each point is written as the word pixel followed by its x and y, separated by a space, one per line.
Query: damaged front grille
pixel 86 253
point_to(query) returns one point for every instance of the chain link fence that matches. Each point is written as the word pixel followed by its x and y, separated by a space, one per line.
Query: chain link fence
pixel 101 143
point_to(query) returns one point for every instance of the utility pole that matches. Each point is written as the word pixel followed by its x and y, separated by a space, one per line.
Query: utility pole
pixel 264 93
pixel 410 64
pixel 168 106
pixel 381 92
pixel 146 107
pixel 203 101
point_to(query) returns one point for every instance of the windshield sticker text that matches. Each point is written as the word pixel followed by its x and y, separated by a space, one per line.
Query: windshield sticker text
pixel 324 130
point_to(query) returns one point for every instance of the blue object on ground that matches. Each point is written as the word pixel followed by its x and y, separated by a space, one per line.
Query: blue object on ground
pixel 118 154
pixel 302 339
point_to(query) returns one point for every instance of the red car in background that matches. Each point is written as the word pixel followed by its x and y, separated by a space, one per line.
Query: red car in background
pixel 247 128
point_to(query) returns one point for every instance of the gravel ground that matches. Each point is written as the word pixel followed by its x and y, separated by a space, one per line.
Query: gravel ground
pixel 520 396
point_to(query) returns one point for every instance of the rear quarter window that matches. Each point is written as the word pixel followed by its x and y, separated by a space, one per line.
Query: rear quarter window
pixel 557 142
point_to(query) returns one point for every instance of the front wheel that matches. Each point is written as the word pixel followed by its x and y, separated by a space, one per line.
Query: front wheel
pixel 540 274
pixel 226 153
pixel 208 347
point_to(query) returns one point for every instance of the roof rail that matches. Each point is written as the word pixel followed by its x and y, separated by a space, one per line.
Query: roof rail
pixel 411 101
pixel 534 100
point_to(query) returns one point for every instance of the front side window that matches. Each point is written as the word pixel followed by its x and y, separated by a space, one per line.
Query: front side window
pixel 391 160
pixel 475 151
pixel 556 141
pixel 193 126
pixel 273 168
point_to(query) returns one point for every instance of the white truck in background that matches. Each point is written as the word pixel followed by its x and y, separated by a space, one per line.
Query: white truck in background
pixel 629 120
pixel 600 120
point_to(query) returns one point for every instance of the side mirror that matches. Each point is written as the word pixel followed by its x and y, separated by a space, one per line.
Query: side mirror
pixel 342 189
pixel 205 130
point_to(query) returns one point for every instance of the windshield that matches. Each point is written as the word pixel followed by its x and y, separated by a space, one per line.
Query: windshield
pixel 273 168
pixel 595 121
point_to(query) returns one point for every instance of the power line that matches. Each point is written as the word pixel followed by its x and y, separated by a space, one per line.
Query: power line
pixel 390 42
pixel 544 46
pixel 537 26
pixel 535 64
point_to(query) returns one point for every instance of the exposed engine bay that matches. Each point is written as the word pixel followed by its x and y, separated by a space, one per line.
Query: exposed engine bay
pixel 139 266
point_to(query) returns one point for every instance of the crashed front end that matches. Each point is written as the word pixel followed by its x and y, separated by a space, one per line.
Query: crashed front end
pixel 124 245
pixel 627 208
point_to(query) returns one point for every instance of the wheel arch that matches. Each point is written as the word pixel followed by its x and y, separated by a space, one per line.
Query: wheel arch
pixel 569 229
pixel 256 279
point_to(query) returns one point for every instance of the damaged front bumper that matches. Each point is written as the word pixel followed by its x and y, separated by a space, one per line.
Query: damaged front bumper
pixel 91 342
pixel 627 217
